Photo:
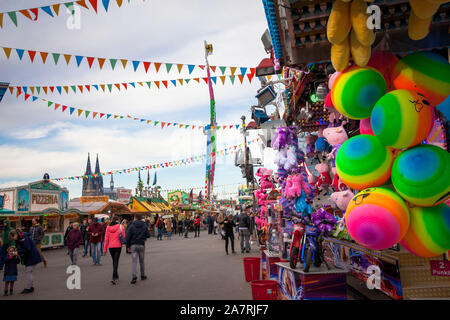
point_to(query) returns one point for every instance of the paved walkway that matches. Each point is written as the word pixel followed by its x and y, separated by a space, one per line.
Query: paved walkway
pixel 193 268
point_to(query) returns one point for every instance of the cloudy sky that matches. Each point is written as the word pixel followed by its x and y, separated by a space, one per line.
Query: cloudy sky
pixel 35 139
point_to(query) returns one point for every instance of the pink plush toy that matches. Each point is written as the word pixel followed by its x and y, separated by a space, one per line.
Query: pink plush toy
pixel 260 222
pixel 342 199
pixel 324 179
pixel 294 186
pixel 312 179
pixel 335 137
pixel 265 180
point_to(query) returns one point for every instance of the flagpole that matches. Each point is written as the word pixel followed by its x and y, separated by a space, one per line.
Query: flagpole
pixel 211 134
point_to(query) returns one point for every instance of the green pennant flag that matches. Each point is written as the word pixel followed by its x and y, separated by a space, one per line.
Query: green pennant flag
pixel 74 88
pixel 156 122
pixel 87 113
pixel 186 126
pixel 13 17
pixel 187 80
pixel 109 87
pixel 279 76
pixel 56 57
pixel 38 89
pixel 168 67
pixel 222 69
pixel 50 103
pixel 69 6
pixel 232 79
pixel 113 63
pixel 121 117
pixel 149 83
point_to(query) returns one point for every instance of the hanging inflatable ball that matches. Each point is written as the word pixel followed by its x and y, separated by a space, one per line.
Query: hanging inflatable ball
pixel 429 231
pixel 424 72
pixel 363 162
pixel 356 90
pixel 377 218
pixel 421 175
pixel 402 119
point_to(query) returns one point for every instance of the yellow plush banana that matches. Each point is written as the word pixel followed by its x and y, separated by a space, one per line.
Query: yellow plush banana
pixel 340 55
pixel 424 9
pixel 338 26
pixel 359 17
pixel 360 53
pixel 418 28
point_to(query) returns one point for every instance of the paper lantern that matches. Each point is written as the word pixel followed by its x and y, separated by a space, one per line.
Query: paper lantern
pixel 429 231
pixel 421 175
pixel 363 162
pixel 377 218
pixel 356 90
pixel 402 119
pixel 424 72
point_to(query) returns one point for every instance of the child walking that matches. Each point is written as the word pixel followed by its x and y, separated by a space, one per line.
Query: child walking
pixel 10 273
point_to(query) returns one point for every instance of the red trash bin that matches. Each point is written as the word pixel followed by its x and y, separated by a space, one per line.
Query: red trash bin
pixel 264 289
pixel 252 268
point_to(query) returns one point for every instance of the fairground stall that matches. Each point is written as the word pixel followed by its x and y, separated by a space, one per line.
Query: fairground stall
pixel 47 202
pixel 362 163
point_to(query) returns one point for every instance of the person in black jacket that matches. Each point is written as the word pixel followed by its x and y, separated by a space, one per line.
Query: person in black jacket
pixel 85 233
pixel 187 225
pixel 244 231
pixel 10 275
pixel 228 225
pixel 137 234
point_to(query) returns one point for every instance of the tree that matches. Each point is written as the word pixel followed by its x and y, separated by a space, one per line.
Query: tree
pixel 140 187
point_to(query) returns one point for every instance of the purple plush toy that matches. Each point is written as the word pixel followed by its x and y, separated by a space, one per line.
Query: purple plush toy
pixel 324 221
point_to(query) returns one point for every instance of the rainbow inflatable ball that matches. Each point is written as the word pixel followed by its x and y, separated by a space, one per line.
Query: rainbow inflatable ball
pixel 363 162
pixel 429 231
pixel 421 175
pixel 424 72
pixel 356 90
pixel 377 218
pixel 402 119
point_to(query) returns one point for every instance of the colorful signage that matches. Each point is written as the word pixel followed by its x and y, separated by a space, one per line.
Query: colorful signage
pixel 23 201
pixel 123 195
pixel 42 201
pixel 64 200
pixel 8 200
pixel 440 268
pixel 94 199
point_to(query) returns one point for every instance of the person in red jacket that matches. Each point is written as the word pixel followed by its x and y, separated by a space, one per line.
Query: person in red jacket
pixel 197 227
pixel 74 240
pixel 114 243
pixel 96 235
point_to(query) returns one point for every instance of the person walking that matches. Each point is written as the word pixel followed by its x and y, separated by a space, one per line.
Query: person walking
pixel 95 232
pixel 197 223
pixel 37 234
pixel 69 227
pixel 220 220
pixel 174 225
pixel 160 228
pixel 187 224
pixel 168 223
pixel 10 275
pixel 84 232
pixel 114 238
pixel 228 227
pixel 136 236
pixel 244 231
pixel 210 223
pixel 29 255
pixel 74 240
pixel 180 227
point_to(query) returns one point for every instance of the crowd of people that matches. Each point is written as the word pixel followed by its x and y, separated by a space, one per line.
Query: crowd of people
pixel 96 238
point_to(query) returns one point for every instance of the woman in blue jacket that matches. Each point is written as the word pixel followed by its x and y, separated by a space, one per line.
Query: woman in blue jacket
pixel 28 253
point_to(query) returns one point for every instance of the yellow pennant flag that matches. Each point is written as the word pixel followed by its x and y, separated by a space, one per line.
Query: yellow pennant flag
pixel 119 3
pixel 116 116
pixel 180 66
pixel 180 81
pixel 233 70
pixel 7 52
pixel 32 90
pixel 79 112
pixel 124 62
pixel 268 77
pixel 1 20
pixel 67 57
pixel 103 87
pixel 66 88
pixel 223 79
pixel 56 8
pixel 141 83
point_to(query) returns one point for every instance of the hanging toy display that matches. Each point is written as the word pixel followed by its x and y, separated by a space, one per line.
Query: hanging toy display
pixel 421 175
pixel 363 162
pixel 335 137
pixel 377 218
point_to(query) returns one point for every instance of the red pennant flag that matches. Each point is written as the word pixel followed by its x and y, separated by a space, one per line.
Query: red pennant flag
pixel 31 54
pixel 213 68
pixel 165 83
pixel 250 77
pixel 80 88
pixel 163 124
pixel 231 126
pixel 35 12
pixel 90 61
pixel 101 115
pixel 206 80
pixel 64 108
pixel 169 124
pixel 117 85
pixel 19 91
pixel 82 3
pixel 193 127
pixel 57 105
pixel 93 4
pixel 94 115
pixel 27 96
pixel 157 65
pixel 88 87
pixel 26 13
pixel 51 89
pixel 202 67
pixel 157 83
pixel 146 65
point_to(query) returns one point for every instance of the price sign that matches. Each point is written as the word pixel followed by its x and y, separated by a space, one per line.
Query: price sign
pixel 440 268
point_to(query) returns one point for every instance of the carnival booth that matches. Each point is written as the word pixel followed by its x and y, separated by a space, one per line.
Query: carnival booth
pixel 363 164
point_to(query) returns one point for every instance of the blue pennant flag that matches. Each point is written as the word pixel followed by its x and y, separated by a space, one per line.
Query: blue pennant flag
pixel 20 53
pixel 59 89
pixel 214 79
pixel 25 89
pixel 72 110
pixel 243 71
pixel 34 98
pixel 95 86
pixel 190 68
pixel 237 126
pixel 174 82
pixel 132 83
pixel 79 59
pixel 108 116
pixel 106 4
pixel 47 10
pixel 135 65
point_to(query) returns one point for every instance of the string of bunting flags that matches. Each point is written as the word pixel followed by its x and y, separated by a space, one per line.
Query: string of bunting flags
pixel 199 188
pixel 113 62
pixel 108 116
pixel 110 87
pixel 54 9
pixel 163 165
